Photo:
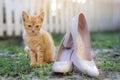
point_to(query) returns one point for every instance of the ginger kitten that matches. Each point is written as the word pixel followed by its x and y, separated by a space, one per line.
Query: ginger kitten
pixel 39 43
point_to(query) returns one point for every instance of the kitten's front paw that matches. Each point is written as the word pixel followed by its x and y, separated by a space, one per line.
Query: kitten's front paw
pixel 49 60
pixel 33 64
pixel 27 50
pixel 40 62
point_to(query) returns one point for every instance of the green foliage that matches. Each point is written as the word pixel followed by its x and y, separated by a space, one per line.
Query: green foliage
pixel 109 61
pixel 19 66
pixel 14 65
pixel 106 40
pixel 57 38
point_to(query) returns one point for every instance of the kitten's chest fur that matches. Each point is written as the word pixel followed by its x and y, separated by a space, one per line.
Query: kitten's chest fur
pixel 34 41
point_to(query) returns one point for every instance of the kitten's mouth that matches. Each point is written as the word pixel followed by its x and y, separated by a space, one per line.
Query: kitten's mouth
pixel 33 31
pixel 33 34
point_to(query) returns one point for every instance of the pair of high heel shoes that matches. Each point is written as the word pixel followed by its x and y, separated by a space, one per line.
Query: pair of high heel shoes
pixel 74 50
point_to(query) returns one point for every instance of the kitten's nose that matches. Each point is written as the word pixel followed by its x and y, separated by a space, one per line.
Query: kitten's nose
pixel 33 31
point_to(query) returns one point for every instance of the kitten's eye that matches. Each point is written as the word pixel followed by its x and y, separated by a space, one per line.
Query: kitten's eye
pixel 29 26
pixel 37 26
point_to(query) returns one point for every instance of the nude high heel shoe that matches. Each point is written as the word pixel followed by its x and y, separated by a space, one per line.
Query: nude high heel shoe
pixel 63 62
pixel 82 58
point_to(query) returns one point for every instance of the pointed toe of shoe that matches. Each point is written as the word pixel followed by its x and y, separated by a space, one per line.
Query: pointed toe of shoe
pixel 85 66
pixel 88 67
pixel 92 71
pixel 62 67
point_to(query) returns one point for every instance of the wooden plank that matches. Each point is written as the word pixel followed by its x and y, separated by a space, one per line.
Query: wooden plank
pixel 70 11
pixel 26 5
pixel 62 20
pixel 39 6
pixel 76 7
pixel 46 15
pixel 17 17
pixel 51 15
pixel 32 7
pixel 67 15
pixel 57 25
pixel 1 16
pixel 10 27
pixel 54 16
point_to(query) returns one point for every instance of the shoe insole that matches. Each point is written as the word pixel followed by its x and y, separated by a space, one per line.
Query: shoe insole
pixel 80 47
pixel 66 55
pixel 83 51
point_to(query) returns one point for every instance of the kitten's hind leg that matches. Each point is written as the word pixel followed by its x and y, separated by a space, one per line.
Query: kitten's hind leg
pixel 40 57
pixel 49 55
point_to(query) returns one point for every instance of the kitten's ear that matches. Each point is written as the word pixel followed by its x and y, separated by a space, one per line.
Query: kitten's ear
pixel 41 16
pixel 24 16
